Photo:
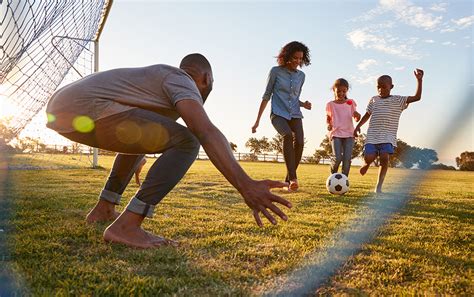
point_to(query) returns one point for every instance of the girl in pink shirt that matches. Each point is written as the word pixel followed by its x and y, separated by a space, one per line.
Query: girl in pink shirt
pixel 339 114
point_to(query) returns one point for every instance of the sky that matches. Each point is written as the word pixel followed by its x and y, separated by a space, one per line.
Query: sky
pixel 356 40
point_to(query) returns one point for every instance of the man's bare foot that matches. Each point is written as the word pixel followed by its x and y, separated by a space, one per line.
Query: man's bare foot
pixel 136 237
pixel 364 168
pixel 103 211
pixel 378 191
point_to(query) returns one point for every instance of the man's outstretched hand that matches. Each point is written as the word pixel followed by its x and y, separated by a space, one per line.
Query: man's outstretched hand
pixel 259 198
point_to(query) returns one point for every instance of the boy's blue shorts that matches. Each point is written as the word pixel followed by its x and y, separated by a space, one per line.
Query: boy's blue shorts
pixel 377 149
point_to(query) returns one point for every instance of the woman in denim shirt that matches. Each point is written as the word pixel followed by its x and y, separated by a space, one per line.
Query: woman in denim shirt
pixel 284 86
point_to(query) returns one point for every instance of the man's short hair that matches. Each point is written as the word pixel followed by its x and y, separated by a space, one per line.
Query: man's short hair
pixel 195 60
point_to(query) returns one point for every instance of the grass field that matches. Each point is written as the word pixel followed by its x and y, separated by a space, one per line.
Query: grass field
pixel 425 248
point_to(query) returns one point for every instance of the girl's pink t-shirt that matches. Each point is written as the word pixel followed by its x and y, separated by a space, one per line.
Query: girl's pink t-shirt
pixel 341 118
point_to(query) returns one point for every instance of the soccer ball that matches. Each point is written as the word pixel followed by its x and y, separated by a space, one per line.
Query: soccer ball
pixel 337 183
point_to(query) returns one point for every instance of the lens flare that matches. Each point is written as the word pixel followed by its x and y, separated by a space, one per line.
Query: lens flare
pixel 154 136
pixel 128 132
pixel 83 124
pixel 51 117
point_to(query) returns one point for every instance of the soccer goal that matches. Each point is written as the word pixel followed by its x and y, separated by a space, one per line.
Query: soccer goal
pixel 44 45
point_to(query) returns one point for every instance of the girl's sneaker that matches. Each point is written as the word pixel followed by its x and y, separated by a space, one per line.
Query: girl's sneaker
pixel 293 185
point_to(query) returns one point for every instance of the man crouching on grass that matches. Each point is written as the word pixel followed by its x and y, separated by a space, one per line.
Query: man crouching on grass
pixel 133 111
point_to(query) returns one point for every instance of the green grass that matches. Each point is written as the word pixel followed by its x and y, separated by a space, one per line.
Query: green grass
pixel 50 161
pixel 426 248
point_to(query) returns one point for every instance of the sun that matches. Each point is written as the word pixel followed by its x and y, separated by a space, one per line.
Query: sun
pixel 7 108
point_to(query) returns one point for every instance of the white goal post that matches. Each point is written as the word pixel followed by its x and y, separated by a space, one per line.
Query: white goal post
pixel 45 44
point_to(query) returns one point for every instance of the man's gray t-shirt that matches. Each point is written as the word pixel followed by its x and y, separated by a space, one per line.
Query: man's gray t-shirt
pixel 156 88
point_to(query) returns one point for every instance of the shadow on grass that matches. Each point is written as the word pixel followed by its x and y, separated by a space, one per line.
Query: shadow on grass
pixel 435 208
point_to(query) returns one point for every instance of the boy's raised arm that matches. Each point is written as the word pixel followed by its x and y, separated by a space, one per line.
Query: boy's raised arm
pixel 419 78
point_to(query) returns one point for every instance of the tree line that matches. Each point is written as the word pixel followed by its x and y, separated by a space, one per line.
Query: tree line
pixel 405 155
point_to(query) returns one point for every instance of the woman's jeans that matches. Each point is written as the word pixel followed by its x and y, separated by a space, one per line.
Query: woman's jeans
pixel 342 150
pixel 293 142
pixel 133 134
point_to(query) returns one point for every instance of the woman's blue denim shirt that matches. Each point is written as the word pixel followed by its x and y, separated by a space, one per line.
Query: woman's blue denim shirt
pixel 284 88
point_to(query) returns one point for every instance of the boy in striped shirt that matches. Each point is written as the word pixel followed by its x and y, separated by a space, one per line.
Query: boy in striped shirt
pixel 384 112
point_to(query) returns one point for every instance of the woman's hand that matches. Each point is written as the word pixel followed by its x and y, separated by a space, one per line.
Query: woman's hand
pixel 254 127
pixel 306 105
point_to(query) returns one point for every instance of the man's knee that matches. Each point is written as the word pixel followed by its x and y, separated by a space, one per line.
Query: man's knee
pixel 188 142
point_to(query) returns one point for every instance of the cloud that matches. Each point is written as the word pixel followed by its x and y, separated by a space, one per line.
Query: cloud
pixel 366 63
pixel 364 39
pixel 369 15
pixel 411 14
pixel 464 22
pixel 447 30
pixel 413 40
pixel 367 79
pixel 407 13
pixel 458 24
pixel 440 7
pixel 399 68
pixel 429 41
pixel 448 43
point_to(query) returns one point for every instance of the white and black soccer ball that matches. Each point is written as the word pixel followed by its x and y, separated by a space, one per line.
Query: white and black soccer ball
pixel 337 183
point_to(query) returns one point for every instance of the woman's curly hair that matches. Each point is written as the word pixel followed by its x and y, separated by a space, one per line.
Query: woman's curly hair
pixel 288 51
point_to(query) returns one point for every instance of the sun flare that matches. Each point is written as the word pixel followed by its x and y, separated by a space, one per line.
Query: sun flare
pixel 7 108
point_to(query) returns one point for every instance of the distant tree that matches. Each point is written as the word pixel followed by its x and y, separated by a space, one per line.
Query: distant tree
pixel 253 144
pixel 6 135
pixel 403 154
pixel 233 146
pixel 75 146
pixel 276 144
pixel 29 144
pixel 320 154
pixel 408 156
pixel 465 162
pixel 325 150
pixel 426 157
pixel 314 159
pixel 250 157
pixel 442 166
pixel 258 146
pixel 25 145
pixel 326 145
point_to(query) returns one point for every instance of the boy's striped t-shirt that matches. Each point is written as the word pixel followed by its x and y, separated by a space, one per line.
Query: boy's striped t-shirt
pixel 384 118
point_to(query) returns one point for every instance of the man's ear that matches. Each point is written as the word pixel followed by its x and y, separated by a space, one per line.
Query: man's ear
pixel 392 87
pixel 207 78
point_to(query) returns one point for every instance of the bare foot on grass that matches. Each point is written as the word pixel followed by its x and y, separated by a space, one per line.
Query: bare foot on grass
pixel 103 212
pixel 136 237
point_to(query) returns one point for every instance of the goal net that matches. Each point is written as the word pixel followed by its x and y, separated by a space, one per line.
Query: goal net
pixel 44 45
